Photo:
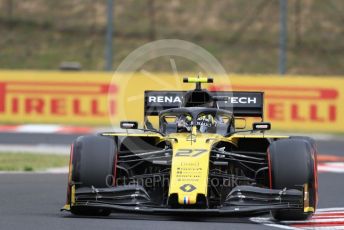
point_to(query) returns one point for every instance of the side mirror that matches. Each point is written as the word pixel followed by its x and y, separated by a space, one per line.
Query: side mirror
pixel 129 124
pixel 239 123
pixel 261 126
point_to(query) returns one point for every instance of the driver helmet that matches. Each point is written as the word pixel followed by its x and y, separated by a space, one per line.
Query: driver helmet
pixel 184 123
pixel 205 122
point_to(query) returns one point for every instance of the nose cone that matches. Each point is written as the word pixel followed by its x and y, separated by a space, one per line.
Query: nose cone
pixel 190 166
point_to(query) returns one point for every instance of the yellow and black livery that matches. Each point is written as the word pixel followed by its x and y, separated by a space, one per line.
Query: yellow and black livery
pixel 195 161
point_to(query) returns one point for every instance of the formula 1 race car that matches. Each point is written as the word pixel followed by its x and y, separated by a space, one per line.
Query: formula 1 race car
pixel 197 161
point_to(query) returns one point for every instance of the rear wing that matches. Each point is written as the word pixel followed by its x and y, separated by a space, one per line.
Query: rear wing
pixel 241 104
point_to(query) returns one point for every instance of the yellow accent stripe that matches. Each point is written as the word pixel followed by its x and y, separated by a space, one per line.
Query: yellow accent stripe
pixel 132 134
pixel 72 199
pixel 308 209
pixel 196 79
pixel 66 207
pixel 258 135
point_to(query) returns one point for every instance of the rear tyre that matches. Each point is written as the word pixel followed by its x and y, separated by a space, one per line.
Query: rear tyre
pixel 92 165
pixel 293 164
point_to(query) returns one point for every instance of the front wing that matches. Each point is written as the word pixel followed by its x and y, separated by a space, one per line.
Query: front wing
pixel 133 198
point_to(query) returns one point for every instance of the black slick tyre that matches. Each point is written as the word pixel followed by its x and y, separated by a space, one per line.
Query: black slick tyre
pixel 293 164
pixel 92 166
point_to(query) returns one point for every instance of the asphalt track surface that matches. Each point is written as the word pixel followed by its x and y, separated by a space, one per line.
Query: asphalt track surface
pixel 32 201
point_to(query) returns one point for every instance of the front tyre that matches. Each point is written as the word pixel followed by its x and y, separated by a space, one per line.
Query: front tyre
pixel 293 164
pixel 93 159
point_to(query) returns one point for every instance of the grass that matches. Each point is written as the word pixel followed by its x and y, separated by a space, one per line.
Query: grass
pixel 242 34
pixel 31 161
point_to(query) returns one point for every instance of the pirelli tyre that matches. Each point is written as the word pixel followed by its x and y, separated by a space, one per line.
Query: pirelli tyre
pixel 92 165
pixel 292 164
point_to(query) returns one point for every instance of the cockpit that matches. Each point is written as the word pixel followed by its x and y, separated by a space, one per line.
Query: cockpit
pixel 206 120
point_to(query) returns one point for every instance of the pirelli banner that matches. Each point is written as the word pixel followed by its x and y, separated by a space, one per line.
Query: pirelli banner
pixel 294 103
pixel 55 97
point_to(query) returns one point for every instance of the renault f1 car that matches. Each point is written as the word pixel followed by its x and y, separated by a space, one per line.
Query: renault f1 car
pixel 197 161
